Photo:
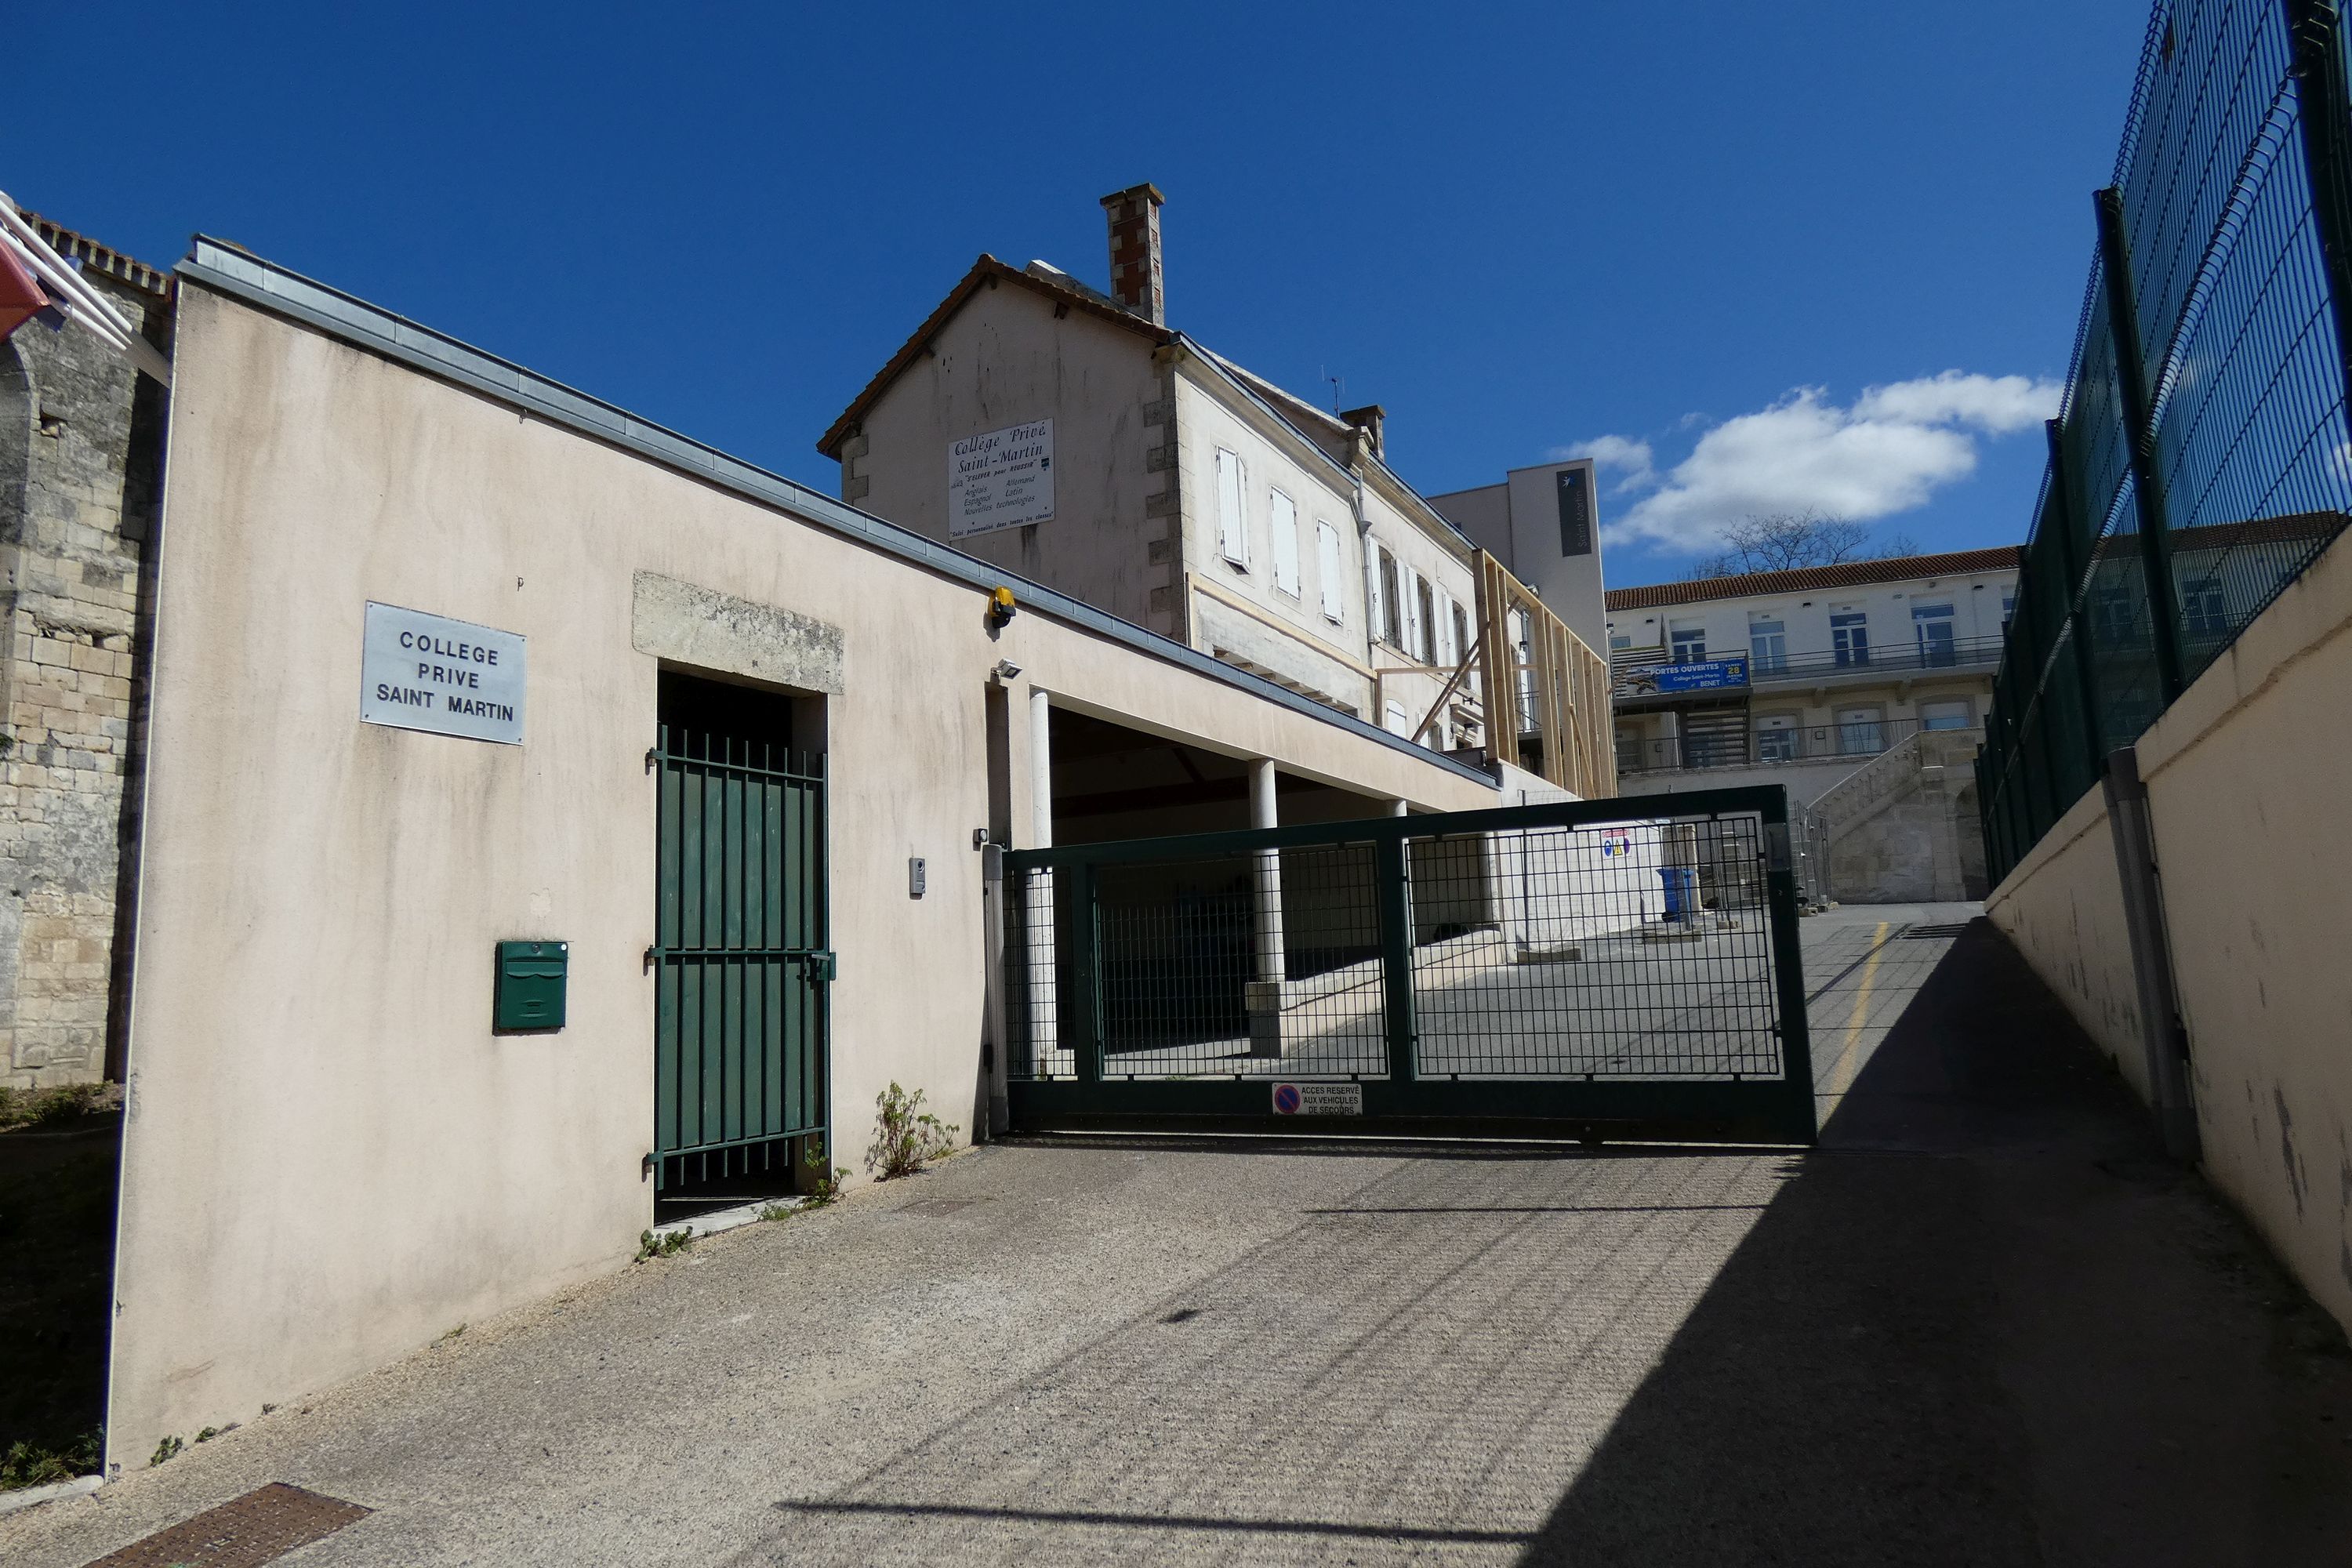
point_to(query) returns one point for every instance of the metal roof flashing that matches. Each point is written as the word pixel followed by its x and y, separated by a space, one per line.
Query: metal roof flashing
pixel 233 271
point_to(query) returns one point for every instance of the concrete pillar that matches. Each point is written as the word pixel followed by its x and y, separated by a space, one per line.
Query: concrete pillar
pixel 1048 1049
pixel 1262 996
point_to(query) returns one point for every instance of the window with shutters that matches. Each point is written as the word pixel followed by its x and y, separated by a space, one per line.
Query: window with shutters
pixel 1233 529
pixel 1388 614
pixel 1327 571
pixel 1284 527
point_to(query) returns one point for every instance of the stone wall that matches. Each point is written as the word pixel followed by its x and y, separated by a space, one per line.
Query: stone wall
pixel 81 444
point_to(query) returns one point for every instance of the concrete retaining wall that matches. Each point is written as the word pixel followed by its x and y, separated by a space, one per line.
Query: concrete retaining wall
pixel 2246 786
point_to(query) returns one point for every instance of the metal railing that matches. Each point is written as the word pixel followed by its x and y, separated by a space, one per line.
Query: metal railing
pixel 1859 741
pixel 1895 659
pixel 2201 459
pixel 1960 653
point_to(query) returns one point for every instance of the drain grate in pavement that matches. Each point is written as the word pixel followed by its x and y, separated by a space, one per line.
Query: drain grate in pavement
pixel 1935 933
pixel 259 1527
pixel 937 1205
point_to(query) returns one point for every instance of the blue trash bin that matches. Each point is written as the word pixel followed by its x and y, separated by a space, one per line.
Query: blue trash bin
pixel 1682 892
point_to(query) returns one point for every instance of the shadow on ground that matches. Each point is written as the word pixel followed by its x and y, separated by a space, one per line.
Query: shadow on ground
pixel 1987 1323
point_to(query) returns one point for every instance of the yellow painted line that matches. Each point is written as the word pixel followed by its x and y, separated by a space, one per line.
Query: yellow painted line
pixel 1841 1075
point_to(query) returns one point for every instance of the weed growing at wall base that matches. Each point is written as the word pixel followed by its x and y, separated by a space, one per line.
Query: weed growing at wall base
pixel 905 1134
pixel 651 1245
pixel 38 1465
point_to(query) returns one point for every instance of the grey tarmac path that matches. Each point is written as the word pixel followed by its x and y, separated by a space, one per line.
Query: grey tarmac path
pixel 1983 1323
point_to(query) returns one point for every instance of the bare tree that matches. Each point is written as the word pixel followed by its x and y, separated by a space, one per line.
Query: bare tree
pixel 1787 541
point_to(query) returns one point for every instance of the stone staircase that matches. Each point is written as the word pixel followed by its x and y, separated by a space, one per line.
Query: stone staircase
pixel 1903 827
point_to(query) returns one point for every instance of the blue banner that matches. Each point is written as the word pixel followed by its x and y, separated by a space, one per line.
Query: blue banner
pixel 1709 675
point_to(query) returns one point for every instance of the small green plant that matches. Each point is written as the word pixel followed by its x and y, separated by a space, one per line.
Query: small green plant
pixel 906 1136
pixel 164 1450
pixel 675 1242
pixel 452 1334
pixel 46 1106
pixel 38 1465
pixel 827 1186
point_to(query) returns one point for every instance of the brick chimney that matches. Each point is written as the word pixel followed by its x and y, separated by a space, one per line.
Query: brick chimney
pixel 1134 214
pixel 1368 419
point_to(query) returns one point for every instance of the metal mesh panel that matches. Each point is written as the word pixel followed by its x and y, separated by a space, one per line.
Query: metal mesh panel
pixel 1629 948
pixel 1619 949
pixel 2214 293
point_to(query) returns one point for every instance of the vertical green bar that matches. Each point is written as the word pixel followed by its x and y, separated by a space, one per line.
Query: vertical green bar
pixel 1802 1120
pixel 1391 870
pixel 2135 390
pixel 1085 967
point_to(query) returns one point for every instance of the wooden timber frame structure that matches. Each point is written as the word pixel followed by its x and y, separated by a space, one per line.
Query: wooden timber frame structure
pixel 1556 689
pixel 1563 701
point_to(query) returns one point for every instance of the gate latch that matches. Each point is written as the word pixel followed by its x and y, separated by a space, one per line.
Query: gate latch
pixel 820 966
pixel 1776 846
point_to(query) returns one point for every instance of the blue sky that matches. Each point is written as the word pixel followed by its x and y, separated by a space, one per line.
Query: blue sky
pixel 1707 231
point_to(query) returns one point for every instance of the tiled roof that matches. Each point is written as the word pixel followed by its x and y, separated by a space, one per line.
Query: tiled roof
pixel 1845 574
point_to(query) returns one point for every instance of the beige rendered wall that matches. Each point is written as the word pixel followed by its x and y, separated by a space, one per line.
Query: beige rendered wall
pixel 2246 783
pixel 328 1157
pixel 1001 360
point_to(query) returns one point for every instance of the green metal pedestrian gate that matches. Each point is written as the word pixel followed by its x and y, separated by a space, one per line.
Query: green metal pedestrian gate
pixel 1623 968
pixel 741 953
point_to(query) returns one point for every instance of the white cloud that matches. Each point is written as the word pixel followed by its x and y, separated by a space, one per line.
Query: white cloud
pixel 1996 404
pixel 1885 453
pixel 1632 458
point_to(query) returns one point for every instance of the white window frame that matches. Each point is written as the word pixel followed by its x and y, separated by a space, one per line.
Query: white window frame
pixel 1387 618
pixel 1409 590
pixel 1283 527
pixel 1329 570
pixel 1232 520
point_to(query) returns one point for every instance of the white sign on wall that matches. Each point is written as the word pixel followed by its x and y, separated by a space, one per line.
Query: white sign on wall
pixel 1001 479
pixel 451 678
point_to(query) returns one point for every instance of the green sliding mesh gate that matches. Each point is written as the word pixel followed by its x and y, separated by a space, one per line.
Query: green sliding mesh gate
pixel 2202 458
pixel 742 971
pixel 1590 969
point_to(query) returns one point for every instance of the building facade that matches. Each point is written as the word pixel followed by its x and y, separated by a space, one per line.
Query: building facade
pixel 81 450
pixel 1543 523
pixel 1807 674
pixel 1074 437
pixel 1860 687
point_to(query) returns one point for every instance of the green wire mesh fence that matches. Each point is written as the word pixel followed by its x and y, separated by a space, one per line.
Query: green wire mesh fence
pixel 2202 458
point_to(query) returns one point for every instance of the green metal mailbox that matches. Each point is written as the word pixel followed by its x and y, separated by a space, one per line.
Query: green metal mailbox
pixel 530 990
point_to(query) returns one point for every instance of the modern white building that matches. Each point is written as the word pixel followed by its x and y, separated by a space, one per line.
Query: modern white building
pixel 1074 437
pixel 1543 523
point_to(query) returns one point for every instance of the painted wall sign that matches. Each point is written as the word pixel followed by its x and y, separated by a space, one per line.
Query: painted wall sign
pixel 1001 479
pixel 1318 1099
pixel 448 677
pixel 1709 675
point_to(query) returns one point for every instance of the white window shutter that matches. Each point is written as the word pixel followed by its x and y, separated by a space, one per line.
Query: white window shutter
pixel 1327 568
pixel 1233 529
pixel 1409 590
pixel 1285 544
pixel 1448 656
